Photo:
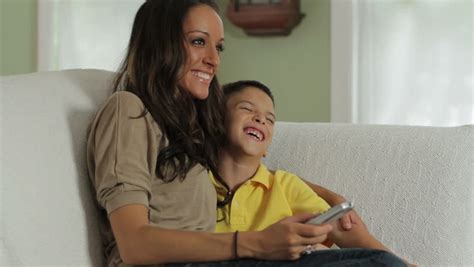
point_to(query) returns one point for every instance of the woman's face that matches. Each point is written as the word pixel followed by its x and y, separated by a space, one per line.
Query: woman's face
pixel 204 40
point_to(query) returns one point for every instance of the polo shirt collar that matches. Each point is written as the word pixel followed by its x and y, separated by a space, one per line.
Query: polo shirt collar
pixel 262 176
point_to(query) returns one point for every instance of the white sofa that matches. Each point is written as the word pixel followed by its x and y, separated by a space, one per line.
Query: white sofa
pixel 412 185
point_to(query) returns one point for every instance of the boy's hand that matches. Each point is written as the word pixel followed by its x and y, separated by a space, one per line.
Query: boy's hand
pixel 349 219
pixel 332 198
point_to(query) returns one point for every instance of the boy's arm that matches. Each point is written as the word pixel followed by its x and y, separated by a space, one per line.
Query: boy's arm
pixel 358 236
pixel 332 198
pixel 351 231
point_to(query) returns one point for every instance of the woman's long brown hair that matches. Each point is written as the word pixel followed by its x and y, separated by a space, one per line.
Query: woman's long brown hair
pixel 151 70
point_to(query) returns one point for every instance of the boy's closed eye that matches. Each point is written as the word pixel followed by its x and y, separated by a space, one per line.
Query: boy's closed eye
pixel 248 108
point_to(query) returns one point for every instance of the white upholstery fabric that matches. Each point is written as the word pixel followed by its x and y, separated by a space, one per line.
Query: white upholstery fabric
pixel 412 185
pixel 49 217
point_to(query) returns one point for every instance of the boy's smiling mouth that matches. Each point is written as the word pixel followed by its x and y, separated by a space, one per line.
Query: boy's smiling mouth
pixel 255 133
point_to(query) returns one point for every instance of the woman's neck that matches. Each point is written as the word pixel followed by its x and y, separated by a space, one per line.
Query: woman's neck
pixel 236 169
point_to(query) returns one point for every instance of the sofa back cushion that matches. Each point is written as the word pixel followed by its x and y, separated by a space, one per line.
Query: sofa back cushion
pixel 412 185
pixel 48 216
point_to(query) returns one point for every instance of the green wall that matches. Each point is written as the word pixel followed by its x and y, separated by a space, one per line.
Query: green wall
pixel 17 36
pixel 295 67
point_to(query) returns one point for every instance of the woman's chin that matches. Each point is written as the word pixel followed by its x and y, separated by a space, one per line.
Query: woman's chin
pixel 201 94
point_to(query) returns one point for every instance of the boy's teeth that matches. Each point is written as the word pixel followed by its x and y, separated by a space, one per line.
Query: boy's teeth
pixel 255 133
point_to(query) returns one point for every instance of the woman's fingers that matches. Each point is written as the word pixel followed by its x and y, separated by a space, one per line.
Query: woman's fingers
pixel 288 238
pixel 312 234
pixel 298 218
pixel 304 234
pixel 311 230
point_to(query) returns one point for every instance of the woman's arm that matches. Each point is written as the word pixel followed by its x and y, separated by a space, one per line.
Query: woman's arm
pixel 141 243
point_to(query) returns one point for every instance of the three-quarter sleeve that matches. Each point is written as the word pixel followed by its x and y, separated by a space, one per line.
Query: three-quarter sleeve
pixel 122 149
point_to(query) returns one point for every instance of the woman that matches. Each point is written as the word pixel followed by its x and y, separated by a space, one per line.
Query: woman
pixel 149 148
pixel 151 143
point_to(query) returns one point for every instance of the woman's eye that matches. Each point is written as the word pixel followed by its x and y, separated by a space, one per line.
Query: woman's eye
pixel 220 48
pixel 270 120
pixel 246 108
pixel 198 41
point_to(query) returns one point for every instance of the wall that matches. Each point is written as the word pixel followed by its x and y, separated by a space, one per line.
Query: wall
pixel 18 36
pixel 296 67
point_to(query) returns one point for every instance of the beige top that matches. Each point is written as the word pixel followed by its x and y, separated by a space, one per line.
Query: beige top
pixel 122 149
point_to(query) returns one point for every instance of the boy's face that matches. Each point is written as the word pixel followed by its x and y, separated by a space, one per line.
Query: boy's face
pixel 249 122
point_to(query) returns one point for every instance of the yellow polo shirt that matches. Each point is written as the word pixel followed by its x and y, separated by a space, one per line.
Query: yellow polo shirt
pixel 264 199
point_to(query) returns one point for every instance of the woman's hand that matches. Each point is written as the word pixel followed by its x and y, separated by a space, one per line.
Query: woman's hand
pixel 140 243
pixel 284 240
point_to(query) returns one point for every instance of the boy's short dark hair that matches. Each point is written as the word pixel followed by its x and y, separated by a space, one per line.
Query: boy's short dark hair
pixel 234 87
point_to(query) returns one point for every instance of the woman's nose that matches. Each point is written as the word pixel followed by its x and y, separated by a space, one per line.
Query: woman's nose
pixel 212 57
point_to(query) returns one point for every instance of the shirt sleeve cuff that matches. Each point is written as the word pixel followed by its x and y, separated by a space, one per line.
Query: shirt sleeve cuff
pixel 126 198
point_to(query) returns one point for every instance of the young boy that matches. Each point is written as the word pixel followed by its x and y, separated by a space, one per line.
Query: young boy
pixel 251 197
